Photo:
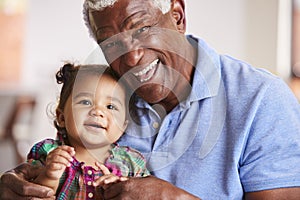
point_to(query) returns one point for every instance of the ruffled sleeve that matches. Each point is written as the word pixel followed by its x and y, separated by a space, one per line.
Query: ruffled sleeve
pixel 39 151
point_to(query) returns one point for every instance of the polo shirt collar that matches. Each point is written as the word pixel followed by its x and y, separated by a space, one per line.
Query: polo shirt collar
pixel 207 74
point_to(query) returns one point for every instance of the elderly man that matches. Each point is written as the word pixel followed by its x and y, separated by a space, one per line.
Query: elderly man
pixel 210 126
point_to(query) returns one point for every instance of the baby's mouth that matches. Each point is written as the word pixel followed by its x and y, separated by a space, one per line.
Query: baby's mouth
pixel 94 126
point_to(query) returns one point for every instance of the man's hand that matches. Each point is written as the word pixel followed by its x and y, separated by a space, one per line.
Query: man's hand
pixel 15 184
pixel 147 188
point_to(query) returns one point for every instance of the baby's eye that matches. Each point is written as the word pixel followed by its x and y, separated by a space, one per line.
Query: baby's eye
pixel 111 107
pixel 85 102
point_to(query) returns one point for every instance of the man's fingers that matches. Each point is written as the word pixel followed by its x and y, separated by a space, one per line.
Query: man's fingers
pixel 7 194
pixel 19 186
pixel 28 189
pixel 26 171
pixel 38 191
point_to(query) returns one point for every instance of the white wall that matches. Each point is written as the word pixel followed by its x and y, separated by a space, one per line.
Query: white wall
pixel 245 29
pixel 55 32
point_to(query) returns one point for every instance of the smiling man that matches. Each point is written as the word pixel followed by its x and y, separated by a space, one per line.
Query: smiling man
pixel 210 126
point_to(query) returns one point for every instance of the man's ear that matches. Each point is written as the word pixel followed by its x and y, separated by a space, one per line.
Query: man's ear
pixel 177 9
pixel 60 118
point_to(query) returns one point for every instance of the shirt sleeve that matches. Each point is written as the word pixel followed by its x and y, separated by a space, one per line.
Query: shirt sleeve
pixel 126 161
pixel 271 157
pixel 39 151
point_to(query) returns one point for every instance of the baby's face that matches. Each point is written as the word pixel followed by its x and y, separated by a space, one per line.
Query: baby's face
pixel 95 113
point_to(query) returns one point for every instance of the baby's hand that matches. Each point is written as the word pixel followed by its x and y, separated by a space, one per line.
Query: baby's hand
pixel 57 161
pixel 107 177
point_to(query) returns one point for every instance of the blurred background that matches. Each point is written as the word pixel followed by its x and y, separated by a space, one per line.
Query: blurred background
pixel 38 36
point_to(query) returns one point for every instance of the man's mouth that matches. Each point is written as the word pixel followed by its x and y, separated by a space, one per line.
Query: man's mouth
pixel 147 73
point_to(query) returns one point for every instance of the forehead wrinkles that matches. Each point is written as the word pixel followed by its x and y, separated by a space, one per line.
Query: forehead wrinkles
pixel 97 24
pixel 130 22
pixel 133 21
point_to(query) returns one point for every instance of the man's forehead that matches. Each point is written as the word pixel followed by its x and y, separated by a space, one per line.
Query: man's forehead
pixel 104 21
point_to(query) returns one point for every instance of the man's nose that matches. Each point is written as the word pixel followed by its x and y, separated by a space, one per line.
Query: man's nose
pixel 134 52
pixel 133 57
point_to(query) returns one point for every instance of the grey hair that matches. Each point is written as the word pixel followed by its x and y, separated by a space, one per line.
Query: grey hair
pixel 163 5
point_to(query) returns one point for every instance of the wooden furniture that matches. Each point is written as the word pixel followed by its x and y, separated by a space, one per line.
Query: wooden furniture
pixel 22 107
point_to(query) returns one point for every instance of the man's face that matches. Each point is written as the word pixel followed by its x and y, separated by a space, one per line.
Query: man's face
pixel 142 45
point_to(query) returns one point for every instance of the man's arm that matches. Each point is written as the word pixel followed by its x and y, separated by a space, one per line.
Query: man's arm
pixel 145 188
pixel 15 184
pixel 275 194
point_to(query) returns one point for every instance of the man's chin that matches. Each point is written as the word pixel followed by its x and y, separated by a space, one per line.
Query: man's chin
pixel 151 97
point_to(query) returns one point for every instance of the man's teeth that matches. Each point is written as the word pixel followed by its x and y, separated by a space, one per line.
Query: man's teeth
pixel 147 69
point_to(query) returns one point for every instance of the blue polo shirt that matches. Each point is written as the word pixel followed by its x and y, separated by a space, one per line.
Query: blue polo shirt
pixel 238 131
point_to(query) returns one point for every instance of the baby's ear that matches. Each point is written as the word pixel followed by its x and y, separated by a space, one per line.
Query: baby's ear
pixel 60 118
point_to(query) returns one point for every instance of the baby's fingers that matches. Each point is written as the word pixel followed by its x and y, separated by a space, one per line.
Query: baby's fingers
pixel 106 179
pixel 57 166
pixel 103 168
pixel 64 150
pixel 61 155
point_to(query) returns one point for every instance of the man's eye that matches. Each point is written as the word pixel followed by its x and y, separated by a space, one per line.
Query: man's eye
pixel 142 30
pixel 109 45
